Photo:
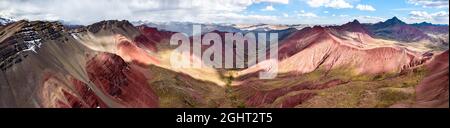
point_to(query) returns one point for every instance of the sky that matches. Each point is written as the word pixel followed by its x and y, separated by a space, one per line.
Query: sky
pixel 228 11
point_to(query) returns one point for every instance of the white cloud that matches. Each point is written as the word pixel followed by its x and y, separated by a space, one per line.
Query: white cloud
pixel 441 17
pixel 420 15
pixel 369 19
pixel 302 13
pixel 430 3
pixel 325 12
pixel 285 15
pixel 404 9
pixel 317 3
pixel 89 11
pixel 274 1
pixel 337 4
pixel 240 18
pixel 344 16
pixel 268 8
pixel 363 7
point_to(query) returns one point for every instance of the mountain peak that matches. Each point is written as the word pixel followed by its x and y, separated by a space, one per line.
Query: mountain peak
pixel 108 24
pixel 423 24
pixel 395 18
pixel 356 21
pixel 4 21
pixel 394 21
pixel 354 26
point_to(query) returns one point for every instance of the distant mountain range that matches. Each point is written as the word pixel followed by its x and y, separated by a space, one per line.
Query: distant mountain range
pixel 4 21
pixel 398 30
pixel 187 27
pixel 391 29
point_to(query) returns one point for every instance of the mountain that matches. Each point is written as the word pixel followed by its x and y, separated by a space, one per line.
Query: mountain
pixel 4 21
pixel 120 64
pixel 428 35
pixel 154 34
pixel 186 27
pixel 260 27
pixel 431 28
pixel 433 89
pixel 316 64
pixel 326 47
pixel 393 21
pixel 354 26
pixel 106 64
pixel 396 29
pixel 424 24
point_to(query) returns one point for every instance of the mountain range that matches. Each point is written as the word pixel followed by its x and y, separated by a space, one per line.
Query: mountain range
pixel 4 21
pixel 122 64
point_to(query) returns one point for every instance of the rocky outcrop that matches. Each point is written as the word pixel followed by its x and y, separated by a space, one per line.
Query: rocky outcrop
pixel 24 37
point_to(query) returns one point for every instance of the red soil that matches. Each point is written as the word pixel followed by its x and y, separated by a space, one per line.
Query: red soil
pixel 295 100
pixel 72 101
pixel 150 45
pixel 262 97
pixel 87 95
pixel 58 95
pixel 122 82
pixel 433 89
pixel 128 50
pixel 153 35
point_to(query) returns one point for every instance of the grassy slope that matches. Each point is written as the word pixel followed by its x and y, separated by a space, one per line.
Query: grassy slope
pixel 368 90
pixel 178 90
pixel 381 90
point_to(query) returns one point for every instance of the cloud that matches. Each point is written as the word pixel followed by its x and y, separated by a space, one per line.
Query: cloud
pixel 240 18
pixel 337 4
pixel 430 3
pixel 274 1
pixel 89 11
pixel 369 19
pixel 285 15
pixel 268 8
pixel 344 16
pixel 437 17
pixel 363 7
pixel 317 3
pixel 420 15
pixel 302 13
pixel 404 9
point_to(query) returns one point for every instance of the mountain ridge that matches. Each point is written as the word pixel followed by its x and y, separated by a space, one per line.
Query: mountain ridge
pixel 117 64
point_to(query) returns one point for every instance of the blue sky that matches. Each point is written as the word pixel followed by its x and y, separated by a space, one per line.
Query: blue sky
pixel 407 10
pixel 229 11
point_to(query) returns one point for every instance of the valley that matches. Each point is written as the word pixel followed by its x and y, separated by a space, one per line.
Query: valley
pixel 117 64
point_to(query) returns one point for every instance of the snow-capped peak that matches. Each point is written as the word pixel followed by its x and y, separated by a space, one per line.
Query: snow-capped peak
pixel 4 21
